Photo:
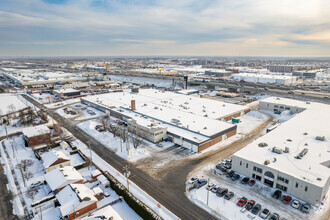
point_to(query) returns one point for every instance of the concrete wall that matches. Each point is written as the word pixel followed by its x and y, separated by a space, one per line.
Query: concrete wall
pixel 280 107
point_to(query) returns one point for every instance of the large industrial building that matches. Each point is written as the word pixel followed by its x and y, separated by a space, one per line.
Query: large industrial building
pixel 265 78
pixel 192 122
pixel 294 157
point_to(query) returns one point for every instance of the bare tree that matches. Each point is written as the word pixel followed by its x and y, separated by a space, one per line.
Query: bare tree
pixel 136 140
pixel 27 175
pixel 114 128
pixel 32 192
pixel 24 164
pixel 22 117
pixel 11 109
pixel 105 121
pixel 124 134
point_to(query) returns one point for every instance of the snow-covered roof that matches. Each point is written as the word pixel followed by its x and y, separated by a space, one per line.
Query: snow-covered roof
pixel 62 176
pixel 107 212
pixel 97 190
pixel 95 172
pixel 63 91
pixel 52 156
pixel 72 196
pixel 192 105
pixel 36 131
pixel 297 134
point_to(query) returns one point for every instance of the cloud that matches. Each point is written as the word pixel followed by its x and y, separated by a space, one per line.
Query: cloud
pixel 191 27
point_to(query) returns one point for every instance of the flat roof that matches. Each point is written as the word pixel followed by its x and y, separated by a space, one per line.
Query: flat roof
pixel 188 112
pixel 185 103
pixel 298 133
pixel 66 90
pixel 36 130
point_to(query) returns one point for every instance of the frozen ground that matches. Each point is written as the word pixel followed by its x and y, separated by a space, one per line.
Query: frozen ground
pixel 7 100
pixel 82 112
pixel 259 192
pixel 124 150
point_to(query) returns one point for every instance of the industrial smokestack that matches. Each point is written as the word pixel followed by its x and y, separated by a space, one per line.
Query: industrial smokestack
pixel 133 105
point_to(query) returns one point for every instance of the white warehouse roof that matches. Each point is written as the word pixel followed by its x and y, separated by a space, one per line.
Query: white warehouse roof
pixel 298 133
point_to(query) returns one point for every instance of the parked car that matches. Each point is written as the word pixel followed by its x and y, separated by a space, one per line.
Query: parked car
pixel 241 202
pixel 306 208
pixel 201 182
pixel 250 204
pixel 215 189
pixel 252 182
pixel 274 216
pixel 222 191
pixel 193 180
pixel 229 195
pixel 264 214
pixel 295 204
pixel 256 209
pixel 36 184
pixel 231 174
pixel 277 194
pixel 286 199
pixel 221 167
pixel 210 186
pixel 245 180
pixel 235 177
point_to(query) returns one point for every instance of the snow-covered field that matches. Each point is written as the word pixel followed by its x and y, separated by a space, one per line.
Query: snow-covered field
pixel 124 150
pixel 259 193
pixel 7 100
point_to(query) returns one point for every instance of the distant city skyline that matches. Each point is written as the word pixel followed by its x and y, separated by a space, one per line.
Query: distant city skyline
pixel 154 28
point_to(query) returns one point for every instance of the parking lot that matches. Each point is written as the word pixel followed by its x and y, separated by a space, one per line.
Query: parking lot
pixel 234 195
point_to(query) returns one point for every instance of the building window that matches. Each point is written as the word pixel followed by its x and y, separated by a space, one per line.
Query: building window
pixel 257 169
pixel 247 165
pixel 296 185
pixel 306 188
pixel 240 163
pixel 282 179
pixel 283 188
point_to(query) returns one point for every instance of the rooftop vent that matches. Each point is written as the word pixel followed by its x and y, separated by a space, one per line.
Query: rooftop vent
pixel 262 145
pixel 287 150
pixel 289 140
pixel 305 133
pixel 267 162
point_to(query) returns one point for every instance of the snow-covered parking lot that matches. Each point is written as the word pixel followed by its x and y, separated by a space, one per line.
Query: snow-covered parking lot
pixel 79 111
pixel 260 193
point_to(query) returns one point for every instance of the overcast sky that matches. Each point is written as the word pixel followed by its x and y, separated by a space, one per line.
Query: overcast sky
pixel 164 27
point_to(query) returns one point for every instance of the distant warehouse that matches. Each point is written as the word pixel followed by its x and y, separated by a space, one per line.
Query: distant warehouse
pixel 64 93
pixel 294 157
pixel 189 121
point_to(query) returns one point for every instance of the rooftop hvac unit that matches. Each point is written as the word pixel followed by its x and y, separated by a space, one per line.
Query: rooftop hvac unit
pixel 320 138
pixel 287 150
pixel 267 162
pixel 303 152
pixel 277 150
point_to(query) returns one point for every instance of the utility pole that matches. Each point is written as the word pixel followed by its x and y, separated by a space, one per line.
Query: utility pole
pixel 208 191
pixel 127 173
